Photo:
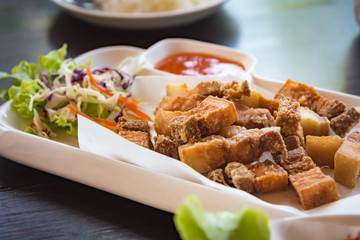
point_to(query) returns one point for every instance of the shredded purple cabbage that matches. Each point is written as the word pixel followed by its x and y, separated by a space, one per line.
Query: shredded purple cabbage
pixel 78 77
pixel 44 114
pixel 104 85
pixel 101 70
pixel 49 97
pixel 44 77
pixel 123 84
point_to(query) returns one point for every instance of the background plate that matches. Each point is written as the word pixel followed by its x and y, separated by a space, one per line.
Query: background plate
pixel 140 20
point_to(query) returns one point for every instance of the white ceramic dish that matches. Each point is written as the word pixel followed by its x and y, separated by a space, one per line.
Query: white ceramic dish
pixel 125 175
pixel 150 57
pixel 140 20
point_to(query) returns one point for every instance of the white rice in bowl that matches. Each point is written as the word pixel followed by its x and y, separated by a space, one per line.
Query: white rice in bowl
pixel 134 6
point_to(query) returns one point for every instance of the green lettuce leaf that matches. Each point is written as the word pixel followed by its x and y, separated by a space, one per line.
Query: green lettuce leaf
pixel 30 130
pixel 193 222
pixel 21 96
pixel 51 62
pixel 24 71
pixel 93 110
pixel 4 94
pixel 71 127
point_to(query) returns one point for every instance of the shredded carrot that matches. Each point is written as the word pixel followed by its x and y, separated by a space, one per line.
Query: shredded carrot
pixel 72 108
pixel 30 124
pixel 134 108
pixel 112 128
pixel 93 82
pixel 103 122
pixel 130 104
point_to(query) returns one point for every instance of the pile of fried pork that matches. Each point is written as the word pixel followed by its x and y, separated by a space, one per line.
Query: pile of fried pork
pixel 222 130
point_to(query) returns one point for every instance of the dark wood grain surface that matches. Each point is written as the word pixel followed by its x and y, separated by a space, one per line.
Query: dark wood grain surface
pixel 312 41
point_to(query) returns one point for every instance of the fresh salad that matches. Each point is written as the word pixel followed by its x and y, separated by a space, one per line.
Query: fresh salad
pixel 51 93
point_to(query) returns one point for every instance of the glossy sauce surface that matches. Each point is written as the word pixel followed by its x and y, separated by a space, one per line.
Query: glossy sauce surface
pixel 199 64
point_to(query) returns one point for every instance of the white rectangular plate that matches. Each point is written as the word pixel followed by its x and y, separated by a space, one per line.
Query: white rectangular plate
pixel 153 179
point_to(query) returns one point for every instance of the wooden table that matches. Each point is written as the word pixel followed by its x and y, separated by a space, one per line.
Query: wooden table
pixel 311 41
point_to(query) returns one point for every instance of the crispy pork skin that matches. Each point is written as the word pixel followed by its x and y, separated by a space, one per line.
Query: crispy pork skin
pixel 269 177
pixel 180 103
pixel 206 155
pixel 138 137
pixel 136 131
pixel 167 146
pixel 210 116
pixel 240 176
pixel 342 118
pixel 253 117
pixel 344 122
pixel 217 175
pixel 314 188
pixel 245 147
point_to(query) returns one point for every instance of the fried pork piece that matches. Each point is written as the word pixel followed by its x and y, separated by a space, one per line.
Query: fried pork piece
pixel 344 122
pixel 257 100
pixel 211 88
pixel 234 90
pixel 322 149
pixel 269 177
pixel 288 118
pixel 180 103
pixel 304 94
pixel 296 160
pixel 231 90
pixel 163 121
pixel 313 124
pixel 230 131
pixel 245 147
pixel 292 142
pixel 205 155
pixel 354 136
pixel 177 89
pixel 240 176
pixel 253 117
pixel 331 108
pixel 138 137
pixel 314 188
pixel 217 175
pixel 136 131
pixel 249 145
pixel 133 125
pixel 208 88
pixel 342 119
pixel 212 115
pixel 347 163
pixel 167 146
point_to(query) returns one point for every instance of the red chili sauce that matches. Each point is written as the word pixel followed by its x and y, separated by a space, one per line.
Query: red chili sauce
pixel 199 64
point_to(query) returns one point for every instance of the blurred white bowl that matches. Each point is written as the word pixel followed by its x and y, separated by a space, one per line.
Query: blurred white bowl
pixel 148 20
